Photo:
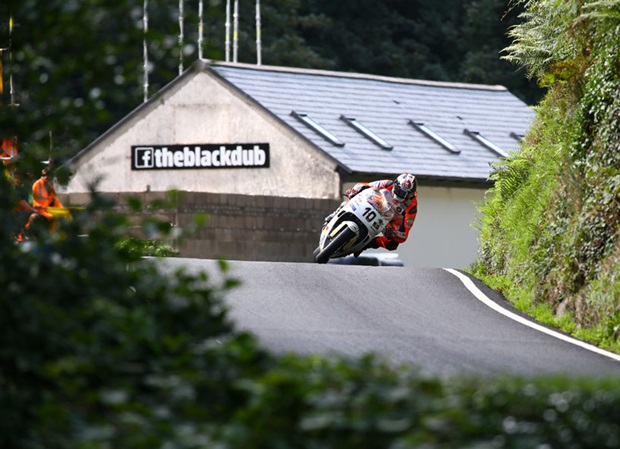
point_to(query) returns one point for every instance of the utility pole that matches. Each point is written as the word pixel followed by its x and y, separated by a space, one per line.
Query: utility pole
pixel 11 89
pixel 258 35
pixel 200 28
pixel 181 36
pixel 236 31
pixel 227 43
pixel 145 18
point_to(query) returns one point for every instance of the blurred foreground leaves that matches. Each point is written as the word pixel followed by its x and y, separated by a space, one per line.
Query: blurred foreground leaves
pixel 99 349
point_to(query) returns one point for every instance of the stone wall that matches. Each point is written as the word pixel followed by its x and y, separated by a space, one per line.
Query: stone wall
pixel 238 227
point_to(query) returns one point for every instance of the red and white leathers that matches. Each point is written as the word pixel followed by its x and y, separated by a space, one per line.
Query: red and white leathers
pixel 397 230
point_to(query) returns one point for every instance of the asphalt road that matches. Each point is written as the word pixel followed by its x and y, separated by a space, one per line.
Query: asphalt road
pixel 421 317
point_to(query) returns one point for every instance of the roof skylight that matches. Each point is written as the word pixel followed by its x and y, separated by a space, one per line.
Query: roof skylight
pixel 306 120
pixel 516 136
pixel 433 135
pixel 367 132
pixel 485 142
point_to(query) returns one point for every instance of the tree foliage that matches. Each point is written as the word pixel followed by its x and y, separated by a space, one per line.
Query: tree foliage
pixel 77 66
pixel 443 41
pixel 99 349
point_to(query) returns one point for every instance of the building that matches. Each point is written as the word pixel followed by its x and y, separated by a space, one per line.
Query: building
pixel 263 134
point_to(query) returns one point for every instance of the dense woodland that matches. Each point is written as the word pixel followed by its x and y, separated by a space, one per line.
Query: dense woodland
pixel 77 66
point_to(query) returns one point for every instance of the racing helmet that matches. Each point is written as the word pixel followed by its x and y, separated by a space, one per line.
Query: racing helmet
pixel 405 187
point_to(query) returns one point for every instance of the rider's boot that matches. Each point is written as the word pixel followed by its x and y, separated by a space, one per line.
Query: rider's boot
pixel 371 245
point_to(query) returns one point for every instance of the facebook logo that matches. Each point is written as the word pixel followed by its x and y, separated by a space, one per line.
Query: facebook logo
pixel 143 157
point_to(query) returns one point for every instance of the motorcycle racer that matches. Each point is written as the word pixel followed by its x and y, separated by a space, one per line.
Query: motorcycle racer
pixel 405 196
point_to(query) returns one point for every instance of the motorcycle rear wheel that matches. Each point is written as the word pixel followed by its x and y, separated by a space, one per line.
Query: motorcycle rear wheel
pixel 333 246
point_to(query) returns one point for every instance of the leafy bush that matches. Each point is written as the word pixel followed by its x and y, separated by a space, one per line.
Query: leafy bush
pixel 99 350
pixel 320 403
pixel 146 247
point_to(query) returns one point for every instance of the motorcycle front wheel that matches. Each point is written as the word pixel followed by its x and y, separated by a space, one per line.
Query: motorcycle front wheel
pixel 333 246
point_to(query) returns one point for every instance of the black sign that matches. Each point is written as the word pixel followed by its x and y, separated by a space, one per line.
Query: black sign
pixel 166 157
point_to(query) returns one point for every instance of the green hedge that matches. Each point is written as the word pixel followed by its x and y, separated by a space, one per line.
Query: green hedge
pixel 550 228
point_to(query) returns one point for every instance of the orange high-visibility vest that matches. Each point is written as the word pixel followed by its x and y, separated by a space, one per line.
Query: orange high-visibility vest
pixel 43 196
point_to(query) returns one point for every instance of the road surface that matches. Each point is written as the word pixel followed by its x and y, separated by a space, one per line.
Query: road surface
pixel 421 317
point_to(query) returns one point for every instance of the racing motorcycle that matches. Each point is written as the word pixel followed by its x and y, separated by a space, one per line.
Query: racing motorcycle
pixel 355 224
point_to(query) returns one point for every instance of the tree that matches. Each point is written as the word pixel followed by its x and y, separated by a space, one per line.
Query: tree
pixel 395 38
pixel 486 32
pixel 77 67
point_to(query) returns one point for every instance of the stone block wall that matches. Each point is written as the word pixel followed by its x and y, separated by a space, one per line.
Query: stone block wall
pixel 238 227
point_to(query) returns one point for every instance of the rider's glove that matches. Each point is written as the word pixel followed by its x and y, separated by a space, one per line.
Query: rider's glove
pixel 354 191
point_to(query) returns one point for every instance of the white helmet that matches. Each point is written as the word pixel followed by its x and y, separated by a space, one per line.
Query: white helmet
pixel 405 187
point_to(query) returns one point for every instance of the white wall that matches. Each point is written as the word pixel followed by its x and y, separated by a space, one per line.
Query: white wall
pixel 201 109
pixel 443 235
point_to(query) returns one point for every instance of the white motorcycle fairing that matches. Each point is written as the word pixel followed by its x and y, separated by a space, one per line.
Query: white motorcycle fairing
pixel 355 224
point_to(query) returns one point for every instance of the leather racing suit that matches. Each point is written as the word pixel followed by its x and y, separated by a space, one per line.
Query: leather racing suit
pixel 397 230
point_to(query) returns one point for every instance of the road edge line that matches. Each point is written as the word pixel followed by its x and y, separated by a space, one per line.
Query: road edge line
pixel 469 284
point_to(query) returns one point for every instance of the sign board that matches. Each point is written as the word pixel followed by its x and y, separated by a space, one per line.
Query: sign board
pixel 200 156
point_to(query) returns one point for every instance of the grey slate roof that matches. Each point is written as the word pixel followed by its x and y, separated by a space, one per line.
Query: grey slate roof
pixel 386 106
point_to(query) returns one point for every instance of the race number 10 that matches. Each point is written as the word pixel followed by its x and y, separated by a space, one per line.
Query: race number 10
pixel 369 214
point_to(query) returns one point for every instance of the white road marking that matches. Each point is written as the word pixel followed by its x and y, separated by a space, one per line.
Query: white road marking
pixel 493 305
